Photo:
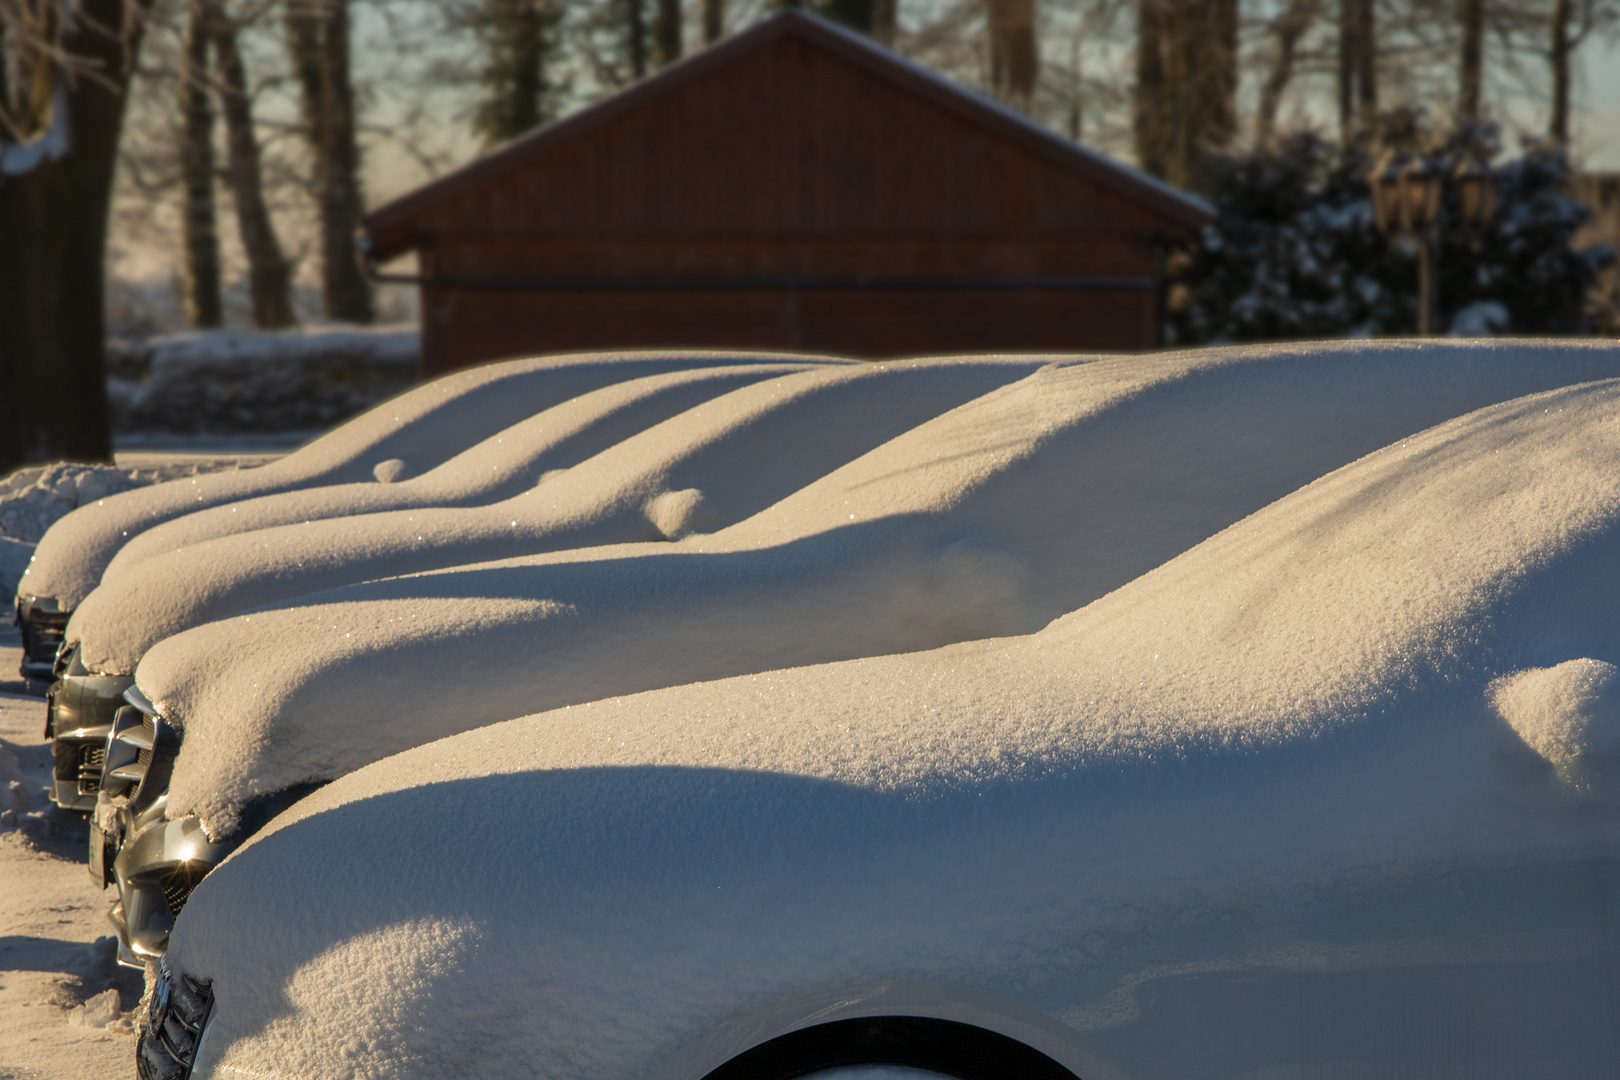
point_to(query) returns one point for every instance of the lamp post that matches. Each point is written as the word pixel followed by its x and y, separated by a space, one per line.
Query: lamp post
pixel 1406 203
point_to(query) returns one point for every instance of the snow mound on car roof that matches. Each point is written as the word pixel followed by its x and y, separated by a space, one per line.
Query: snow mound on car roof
pixel 424 427
pixel 1303 701
pixel 1418 574
pixel 709 466
pixel 505 463
pixel 993 519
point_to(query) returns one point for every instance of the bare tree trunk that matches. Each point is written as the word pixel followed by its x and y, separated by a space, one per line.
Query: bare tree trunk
pixel 1366 63
pixel 1186 85
pixel 1075 121
pixel 1559 55
pixel 636 31
pixel 347 293
pixel 1148 112
pixel 269 276
pixel 1014 54
pixel 714 20
pixel 516 40
pixel 1358 67
pixel 1472 67
pixel 1215 90
pixel 855 14
pixel 318 38
pixel 1347 68
pixel 885 20
pixel 668 32
pixel 53 241
pixel 198 221
pixel 1288 28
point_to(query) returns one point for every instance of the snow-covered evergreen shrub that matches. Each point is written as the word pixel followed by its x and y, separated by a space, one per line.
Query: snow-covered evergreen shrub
pixel 1295 251
pixel 1526 261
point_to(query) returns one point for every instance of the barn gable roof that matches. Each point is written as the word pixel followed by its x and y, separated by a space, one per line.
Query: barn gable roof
pixel 390 226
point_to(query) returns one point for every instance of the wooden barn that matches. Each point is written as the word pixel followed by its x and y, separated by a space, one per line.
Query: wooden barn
pixel 796 187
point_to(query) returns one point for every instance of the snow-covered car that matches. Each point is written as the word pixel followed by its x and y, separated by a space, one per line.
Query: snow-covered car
pixel 780 426
pixel 415 431
pixel 81 702
pixel 712 465
pixel 705 467
pixel 993 519
pixel 1336 792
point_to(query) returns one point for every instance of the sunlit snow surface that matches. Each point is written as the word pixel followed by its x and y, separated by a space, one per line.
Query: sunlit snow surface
pixel 1326 794
pixel 711 464
pixel 994 518
pixel 423 428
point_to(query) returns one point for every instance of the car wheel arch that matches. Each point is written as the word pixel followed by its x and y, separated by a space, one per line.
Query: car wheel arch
pixel 820 1029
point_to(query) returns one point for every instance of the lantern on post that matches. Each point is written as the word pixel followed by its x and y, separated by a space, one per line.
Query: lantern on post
pixel 1385 181
pixel 1476 192
pixel 1420 194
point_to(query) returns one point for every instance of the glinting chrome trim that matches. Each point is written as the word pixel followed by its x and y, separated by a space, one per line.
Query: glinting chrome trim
pixel 134 696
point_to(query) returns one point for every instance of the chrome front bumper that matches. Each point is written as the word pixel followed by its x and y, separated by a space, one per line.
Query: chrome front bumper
pixel 155 862
pixel 79 712
pixel 155 868
pixel 42 623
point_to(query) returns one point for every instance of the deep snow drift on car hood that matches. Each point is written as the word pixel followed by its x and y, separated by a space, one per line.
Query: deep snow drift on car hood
pixel 506 462
pixel 1400 670
pixel 422 428
pixel 990 520
pixel 708 466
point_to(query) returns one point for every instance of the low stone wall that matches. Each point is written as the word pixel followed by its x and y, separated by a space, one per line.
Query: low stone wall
pixel 240 382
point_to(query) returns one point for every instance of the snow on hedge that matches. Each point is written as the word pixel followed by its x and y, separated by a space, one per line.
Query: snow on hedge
pixel 710 466
pixel 422 428
pixel 1289 721
pixel 993 519
pixel 303 379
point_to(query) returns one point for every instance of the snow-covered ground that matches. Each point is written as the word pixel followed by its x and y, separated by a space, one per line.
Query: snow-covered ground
pixel 1333 792
pixel 57 958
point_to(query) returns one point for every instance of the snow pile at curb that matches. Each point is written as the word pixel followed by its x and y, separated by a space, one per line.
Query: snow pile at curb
pixel 31 500
pixel 101 1011
pixel 35 498
pixel 256 381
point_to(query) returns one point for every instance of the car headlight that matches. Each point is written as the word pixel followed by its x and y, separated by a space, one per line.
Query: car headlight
pixel 175 1019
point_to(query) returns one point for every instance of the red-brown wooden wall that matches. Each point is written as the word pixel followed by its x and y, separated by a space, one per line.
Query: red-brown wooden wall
pixel 796 160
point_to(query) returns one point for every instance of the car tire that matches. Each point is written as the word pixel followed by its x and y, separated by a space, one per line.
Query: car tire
pixel 919 1044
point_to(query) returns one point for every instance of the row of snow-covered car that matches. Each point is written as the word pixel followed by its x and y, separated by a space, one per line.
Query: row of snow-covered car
pixel 1228 713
